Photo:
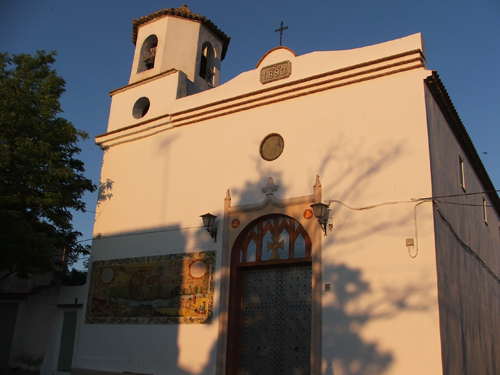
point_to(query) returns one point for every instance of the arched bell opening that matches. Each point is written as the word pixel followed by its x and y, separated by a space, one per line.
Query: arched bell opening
pixel 208 63
pixel 148 53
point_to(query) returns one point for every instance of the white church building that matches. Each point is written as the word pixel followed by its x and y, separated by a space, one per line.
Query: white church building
pixel 400 275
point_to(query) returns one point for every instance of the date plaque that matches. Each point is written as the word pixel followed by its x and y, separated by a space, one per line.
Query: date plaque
pixel 275 72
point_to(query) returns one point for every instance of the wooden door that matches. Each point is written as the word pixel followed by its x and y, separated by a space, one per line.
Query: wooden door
pixel 276 321
pixel 270 299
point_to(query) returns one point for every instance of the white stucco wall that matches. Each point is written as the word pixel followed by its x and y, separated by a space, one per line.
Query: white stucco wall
pixel 177 41
pixel 160 92
pixel 38 325
pixel 35 319
pixel 368 141
pixel 180 42
pixel 70 299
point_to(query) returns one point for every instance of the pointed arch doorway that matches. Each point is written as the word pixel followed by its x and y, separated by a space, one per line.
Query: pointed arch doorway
pixel 270 321
pixel 272 298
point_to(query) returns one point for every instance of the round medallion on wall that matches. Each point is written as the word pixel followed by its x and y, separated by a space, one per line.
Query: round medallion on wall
pixel 198 269
pixel 271 147
pixel 235 223
pixel 107 275
pixel 308 214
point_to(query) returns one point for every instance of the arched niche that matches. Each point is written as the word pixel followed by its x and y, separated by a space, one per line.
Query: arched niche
pixel 148 54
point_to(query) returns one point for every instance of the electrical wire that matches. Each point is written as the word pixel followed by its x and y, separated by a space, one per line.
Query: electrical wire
pixel 88 239
pixel 145 232
pixel 463 204
pixel 435 200
pixel 377 205
pixel 416 230
pixel 413 200
pixel 418 202
pixel 467 247
pixel 462 194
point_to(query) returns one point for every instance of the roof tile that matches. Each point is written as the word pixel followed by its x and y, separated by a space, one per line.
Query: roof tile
pixel 185 13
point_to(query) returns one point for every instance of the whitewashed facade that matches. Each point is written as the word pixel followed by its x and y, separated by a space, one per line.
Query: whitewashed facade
pixel 378 129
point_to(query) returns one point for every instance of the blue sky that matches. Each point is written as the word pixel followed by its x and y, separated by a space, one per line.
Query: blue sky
pixel 93 40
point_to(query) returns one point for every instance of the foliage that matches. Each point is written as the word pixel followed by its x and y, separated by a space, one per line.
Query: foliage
pixel 70 278
pixel 41 180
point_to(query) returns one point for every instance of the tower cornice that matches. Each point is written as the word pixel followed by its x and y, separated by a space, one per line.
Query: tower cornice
pixel 182 12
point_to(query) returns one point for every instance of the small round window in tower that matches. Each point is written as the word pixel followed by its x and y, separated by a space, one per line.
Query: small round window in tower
pixel 141 107
pixel 272 147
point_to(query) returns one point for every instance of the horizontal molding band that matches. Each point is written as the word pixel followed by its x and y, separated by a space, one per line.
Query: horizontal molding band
pixel 290 90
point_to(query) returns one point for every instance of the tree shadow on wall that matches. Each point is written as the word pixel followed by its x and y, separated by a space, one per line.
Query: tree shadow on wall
pixel 139 291
pixel 345 350
pixel 104 192
pixel 347 175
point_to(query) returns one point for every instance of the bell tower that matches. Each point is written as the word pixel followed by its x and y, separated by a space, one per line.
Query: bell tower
pixel 177 53
pixel 176 39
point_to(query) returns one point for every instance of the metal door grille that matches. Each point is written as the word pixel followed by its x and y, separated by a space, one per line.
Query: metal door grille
pixel 276 321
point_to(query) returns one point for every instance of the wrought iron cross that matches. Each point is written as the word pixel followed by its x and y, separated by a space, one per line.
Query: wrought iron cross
pixel 281 31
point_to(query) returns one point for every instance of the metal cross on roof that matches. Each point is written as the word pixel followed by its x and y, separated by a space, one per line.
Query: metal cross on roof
pixel 281 31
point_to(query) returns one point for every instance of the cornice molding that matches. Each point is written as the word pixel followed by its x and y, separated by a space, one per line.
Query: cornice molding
pixel 370 70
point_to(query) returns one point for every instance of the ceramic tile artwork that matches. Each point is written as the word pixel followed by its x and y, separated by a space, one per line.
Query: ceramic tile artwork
pixel 165 289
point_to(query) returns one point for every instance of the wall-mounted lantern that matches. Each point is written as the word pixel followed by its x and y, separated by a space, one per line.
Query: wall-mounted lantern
pixel 320 210
pixel 208 223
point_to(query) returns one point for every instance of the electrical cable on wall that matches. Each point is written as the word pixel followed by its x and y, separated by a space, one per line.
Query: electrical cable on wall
pixel 413 200
pixel 461 242
pixel 466 194
pixel 418 202
pixel 416 231
pixel 435 200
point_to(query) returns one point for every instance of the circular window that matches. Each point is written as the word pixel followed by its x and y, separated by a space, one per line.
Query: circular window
pixel 272 147
pixel 141 107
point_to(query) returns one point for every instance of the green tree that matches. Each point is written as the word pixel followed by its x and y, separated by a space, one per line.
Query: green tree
pixel 41 180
